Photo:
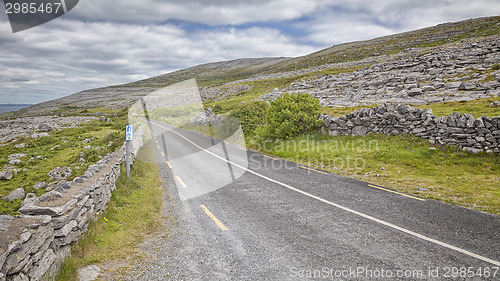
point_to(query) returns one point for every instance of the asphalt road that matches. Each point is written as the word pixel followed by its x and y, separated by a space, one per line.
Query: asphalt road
pixel 242 215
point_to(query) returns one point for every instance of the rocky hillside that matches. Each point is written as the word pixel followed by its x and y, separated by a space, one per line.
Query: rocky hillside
pixel 446 62
pixel 466 70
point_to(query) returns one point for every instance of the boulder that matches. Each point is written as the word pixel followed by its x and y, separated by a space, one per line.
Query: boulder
pixel 60 173
pixel 40 135
pixel 16 194
pixel 50 196
pixel 40 185
pixel 78 180
pixel 468 86
pixel 90 272
pixel 30 198
pixel 428 88
pixel 415 92
pixel 63 186
pixel 494 104
pixel 5 175
pixel 44 127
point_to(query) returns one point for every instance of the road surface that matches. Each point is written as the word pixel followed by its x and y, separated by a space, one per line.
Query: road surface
pixel 243 215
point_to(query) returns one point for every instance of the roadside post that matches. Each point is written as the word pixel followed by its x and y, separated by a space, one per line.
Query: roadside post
pixel 129 133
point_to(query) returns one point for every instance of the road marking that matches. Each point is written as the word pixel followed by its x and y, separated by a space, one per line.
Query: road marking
pixel 243 148
pixel 158 146
pixel 314 170
pixel 407 231
pixel 162 154
pixel 181 182
pixel 385 189
pixel 217 222
pixel 269 157
pixel 170 166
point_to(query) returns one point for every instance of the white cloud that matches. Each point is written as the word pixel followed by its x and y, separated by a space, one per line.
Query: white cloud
pixel 65 56
pixel 198 11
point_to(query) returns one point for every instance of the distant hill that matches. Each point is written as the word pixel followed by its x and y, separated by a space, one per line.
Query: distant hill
pixel 218 73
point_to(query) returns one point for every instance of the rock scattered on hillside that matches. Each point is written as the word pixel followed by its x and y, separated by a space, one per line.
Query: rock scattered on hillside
pixel 40 185
pixel 16 158
pixel 206 117
pixel 16 194
pixel 454 72
pixel 60 173
pixel 5 175
pixel 38 126
pixel 44 127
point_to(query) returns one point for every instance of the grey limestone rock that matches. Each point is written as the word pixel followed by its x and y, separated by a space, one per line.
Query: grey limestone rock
pixel 16 194
pixel 88 273
pixel 39 135
pixel 415 92
pixel 494 104
pixel 79 180
pixel 50 196
pixel 60 173
pixel 44 127
pixel 40 185
pixel 5 175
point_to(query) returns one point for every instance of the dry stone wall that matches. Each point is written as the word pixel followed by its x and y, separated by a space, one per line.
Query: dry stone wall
pixel 463 130
pixel 41 237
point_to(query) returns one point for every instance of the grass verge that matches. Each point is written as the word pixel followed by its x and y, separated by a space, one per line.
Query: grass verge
pixel 133 214
pixel 404 163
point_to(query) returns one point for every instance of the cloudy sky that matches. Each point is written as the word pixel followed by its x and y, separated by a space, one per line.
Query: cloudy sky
pixel 107 42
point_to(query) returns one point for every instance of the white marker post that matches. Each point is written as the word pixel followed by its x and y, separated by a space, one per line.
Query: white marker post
pixel 129 134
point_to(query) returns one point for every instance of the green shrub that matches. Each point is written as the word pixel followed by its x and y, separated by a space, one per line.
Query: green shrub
pixel 250 115
pixel 291 115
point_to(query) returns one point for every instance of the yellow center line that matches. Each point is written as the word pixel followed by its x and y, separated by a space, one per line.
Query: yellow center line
pixel 269 157
pixel 181 182
pixel 242 148
pixel 158 146
pixel 378 187
pixel 321 172
pixel 162 154
pixel 170 166
pixel 217 222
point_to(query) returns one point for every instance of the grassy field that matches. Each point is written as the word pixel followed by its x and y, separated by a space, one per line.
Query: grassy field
pixel 404 163
pixel 63 148
pixel 477 108
pixel 133 214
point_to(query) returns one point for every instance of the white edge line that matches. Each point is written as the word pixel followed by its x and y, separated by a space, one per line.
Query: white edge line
pixel 418 235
